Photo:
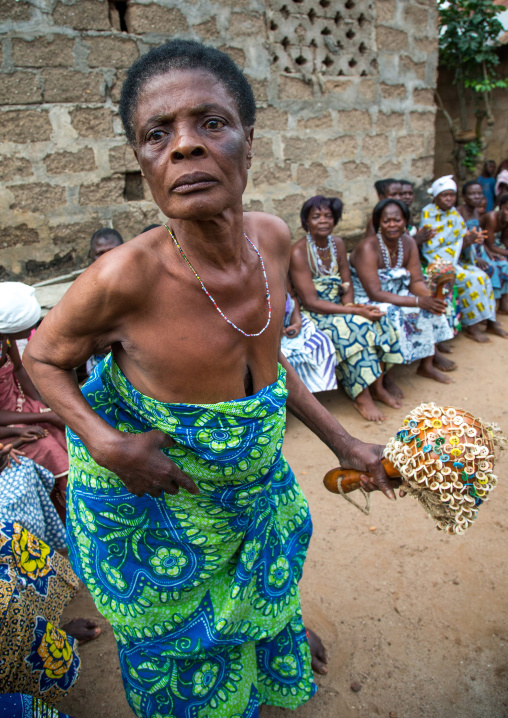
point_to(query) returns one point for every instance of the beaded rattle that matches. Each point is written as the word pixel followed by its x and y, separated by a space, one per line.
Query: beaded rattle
pixel 445 459
pixel 440 278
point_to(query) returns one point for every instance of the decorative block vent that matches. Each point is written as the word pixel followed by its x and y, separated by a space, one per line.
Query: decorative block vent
pixel 322 36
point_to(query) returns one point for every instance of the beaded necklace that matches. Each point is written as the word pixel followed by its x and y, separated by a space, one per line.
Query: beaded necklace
pixel 245 334
pixel 316 263
pixel 386 254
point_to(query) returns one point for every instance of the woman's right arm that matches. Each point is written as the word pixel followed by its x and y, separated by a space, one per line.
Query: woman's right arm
pixel 488 224
pixel 89 318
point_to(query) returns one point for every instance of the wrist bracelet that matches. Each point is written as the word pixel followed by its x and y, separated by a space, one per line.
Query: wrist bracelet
pixel 416 301
pixel 349 304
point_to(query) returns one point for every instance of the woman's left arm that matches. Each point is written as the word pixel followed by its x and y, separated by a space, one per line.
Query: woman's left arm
pixel 21 375
pixel 344 270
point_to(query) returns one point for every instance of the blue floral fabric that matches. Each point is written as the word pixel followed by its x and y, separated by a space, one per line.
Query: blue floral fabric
pixel 18 705
pixel 418 331
pixel 497 268
pixel 25 489
pixel 201 591
pixel 36 657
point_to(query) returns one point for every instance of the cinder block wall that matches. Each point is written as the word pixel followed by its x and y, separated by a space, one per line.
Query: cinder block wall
pixel 344 91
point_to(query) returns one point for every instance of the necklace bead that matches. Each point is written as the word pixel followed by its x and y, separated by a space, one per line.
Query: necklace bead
pixel 316 263
pixel 232 324
pixel 386 254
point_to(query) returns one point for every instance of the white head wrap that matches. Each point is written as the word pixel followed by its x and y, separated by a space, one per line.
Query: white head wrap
pixel 19 309
pixel 502 178
pixel 441 185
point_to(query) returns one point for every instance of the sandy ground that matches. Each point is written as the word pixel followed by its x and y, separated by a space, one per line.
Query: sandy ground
pixel 417 618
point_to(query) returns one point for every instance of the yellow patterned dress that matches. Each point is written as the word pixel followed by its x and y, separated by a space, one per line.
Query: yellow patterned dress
pixel 476 296
pixel 36 657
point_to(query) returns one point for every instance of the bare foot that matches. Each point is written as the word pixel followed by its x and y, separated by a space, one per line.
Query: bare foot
pixel 84 629
pixel 379 392
pixel 318 653
pixel 496 328
pixel 445 348
pixel 364 404
pixel 428 370
pixel 391 387
pixel 476 334
pixel 442 363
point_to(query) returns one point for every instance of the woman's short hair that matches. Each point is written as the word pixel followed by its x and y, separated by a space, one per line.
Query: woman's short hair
pixel 185 55
pixel 382 185
pixel 334 204
pixel 503 199
pixel 468 184
pixel 380 206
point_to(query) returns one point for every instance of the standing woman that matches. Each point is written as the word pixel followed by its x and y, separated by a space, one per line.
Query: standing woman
pixel 386 270
pixel 364 340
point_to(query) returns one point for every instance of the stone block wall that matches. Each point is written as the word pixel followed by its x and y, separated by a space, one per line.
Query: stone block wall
pixel 344 93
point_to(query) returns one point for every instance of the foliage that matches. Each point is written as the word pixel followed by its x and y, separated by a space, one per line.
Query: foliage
pixel 469 31
pixel 472 150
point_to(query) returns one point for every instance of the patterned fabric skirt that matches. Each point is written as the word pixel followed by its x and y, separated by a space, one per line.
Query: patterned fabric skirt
pixel 25 490
pixel 36 657
pixel 418 331
pixel 312 356
pixel 201 591
pixel 17 705
pixel 497 271
pixel 476 295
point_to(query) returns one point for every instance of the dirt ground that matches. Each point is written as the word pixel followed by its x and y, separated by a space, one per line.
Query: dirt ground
pixel 418 619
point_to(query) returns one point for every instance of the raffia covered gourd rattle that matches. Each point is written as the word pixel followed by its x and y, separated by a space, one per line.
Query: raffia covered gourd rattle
pixel 440 278
pixel 444 458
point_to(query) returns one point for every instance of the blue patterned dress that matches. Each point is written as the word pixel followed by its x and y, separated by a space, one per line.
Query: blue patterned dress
pixel 201 591
pixel 498 268
pixel 361 345
pixel 24 497
pixel 419 331
pixel 476 296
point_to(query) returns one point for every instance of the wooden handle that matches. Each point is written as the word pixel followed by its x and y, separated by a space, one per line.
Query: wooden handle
pixel 350 478
pixel 445 284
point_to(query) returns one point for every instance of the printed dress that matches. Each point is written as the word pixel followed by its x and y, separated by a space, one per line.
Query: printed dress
pixel 476 296
pixel 498 268
pixel 418 330
pixel 311 353
pixel 201 591
pixel 25 490
pixel 360 345
pixel 36 657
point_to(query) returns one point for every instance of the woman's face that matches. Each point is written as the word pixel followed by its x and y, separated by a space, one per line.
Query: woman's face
pixel 392 224
pixel 446 200
pixel 320 222
pixel 474 195
pixel 191 145
pixel 407 194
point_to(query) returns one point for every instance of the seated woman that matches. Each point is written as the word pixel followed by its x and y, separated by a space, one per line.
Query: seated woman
pixel 484 254
pixel 476 296
pixel 310 352
pixel 386 271
pixel 364 339
pixel 495 225
pixel 22 413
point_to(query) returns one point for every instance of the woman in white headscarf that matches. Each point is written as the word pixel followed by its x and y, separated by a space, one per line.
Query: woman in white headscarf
pixel 23 416
pixel 476 296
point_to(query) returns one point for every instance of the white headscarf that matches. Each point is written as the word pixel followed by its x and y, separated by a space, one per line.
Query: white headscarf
pixel 442 185
pixel 19 309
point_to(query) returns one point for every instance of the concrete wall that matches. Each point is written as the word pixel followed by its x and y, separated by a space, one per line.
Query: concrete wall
pixel 344 91
pixel 497 146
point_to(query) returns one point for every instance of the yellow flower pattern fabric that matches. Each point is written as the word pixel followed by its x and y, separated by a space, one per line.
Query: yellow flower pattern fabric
pixel 201 591
pixel 475 292
pixel 36 657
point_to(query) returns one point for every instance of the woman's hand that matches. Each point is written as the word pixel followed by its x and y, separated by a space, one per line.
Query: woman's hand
pixel 7 455
pixel 367 457
pixel 368 311
pixel 138 461
pixel 294 329
pixel 482 264
pixel 424 234
pixel 432 304
pixel 30 433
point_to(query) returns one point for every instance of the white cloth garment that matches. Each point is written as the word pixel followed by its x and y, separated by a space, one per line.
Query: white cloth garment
pixel 441 185
pixel 19 309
